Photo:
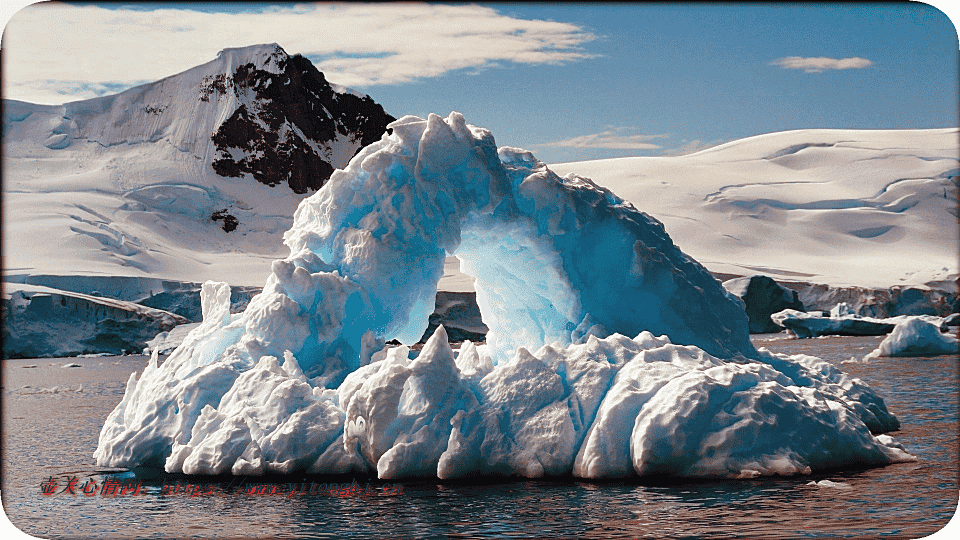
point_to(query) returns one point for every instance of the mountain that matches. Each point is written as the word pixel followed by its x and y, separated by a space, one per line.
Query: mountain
pixel 866 208
pixel 192 177
pixel 197 176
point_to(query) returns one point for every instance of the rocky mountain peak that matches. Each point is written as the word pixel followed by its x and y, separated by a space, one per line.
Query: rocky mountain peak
pixel 290 125
pixel 253 111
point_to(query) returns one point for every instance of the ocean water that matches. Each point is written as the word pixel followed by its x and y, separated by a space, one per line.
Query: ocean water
pixel 52 415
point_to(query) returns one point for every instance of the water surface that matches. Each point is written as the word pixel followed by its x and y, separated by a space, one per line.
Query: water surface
pixel 52 417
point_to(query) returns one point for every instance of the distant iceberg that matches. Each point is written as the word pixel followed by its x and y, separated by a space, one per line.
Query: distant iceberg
pixel 565 271
pixel 843 322
pixel 916 336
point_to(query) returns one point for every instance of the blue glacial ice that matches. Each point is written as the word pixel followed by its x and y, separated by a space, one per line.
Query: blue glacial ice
pixel 565 272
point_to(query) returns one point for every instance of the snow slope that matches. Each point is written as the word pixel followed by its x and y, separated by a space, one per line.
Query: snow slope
pixel 131 184
pixel 839 207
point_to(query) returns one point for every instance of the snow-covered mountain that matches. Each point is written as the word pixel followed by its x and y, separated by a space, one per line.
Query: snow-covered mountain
pixel 192 177
pixel 837 207
pixel 147 183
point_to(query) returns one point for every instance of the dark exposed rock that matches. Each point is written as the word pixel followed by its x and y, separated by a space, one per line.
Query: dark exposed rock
pixel 763 297
pixel 230 222
pixel 460 316
pixel 274 136
pixel 939 299
pixel 214 84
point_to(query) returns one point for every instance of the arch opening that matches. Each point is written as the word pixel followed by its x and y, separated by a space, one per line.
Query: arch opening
pixel 523 295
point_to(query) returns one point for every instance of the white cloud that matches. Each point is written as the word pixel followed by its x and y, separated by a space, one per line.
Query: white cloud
pixel 816 65
pixel 607 139
pixel 355 44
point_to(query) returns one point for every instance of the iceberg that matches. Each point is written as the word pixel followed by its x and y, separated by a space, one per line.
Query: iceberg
pixel 809 325
pixel 843 321
pixel 915 336
pixel 566 271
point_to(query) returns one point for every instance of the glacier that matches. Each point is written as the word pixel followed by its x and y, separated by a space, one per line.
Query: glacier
pixel 566 271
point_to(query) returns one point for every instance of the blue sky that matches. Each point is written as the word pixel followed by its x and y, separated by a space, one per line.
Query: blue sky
pixel 568 81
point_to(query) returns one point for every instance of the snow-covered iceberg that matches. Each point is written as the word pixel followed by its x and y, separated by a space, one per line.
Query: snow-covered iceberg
pixel 301 380
pixel 916 336
pixel 842 322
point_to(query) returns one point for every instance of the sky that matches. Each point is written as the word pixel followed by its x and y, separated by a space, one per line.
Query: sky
pixel 568 81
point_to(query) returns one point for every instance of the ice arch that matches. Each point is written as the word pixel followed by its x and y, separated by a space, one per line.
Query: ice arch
pixel 299 381
pixel 556 259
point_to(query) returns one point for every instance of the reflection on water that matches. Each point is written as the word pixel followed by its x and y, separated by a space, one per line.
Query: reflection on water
pixel 52 433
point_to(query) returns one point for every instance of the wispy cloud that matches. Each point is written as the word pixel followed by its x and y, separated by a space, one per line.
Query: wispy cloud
pixel 613 140
pixel 353 44
pixel 69 89
pixel 821 63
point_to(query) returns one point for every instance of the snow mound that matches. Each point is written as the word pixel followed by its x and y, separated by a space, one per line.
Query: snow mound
pixel 915 336
pixel 301 380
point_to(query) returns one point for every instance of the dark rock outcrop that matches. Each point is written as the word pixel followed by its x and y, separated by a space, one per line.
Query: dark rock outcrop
pixel 230 221
pixel 459 314
pixel 275 135
pixel 763 297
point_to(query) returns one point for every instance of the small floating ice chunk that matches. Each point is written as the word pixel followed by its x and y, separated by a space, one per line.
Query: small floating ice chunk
pixel 829 484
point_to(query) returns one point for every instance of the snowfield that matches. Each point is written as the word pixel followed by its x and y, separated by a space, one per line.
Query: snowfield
pixel 839 207
pixel 301 380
